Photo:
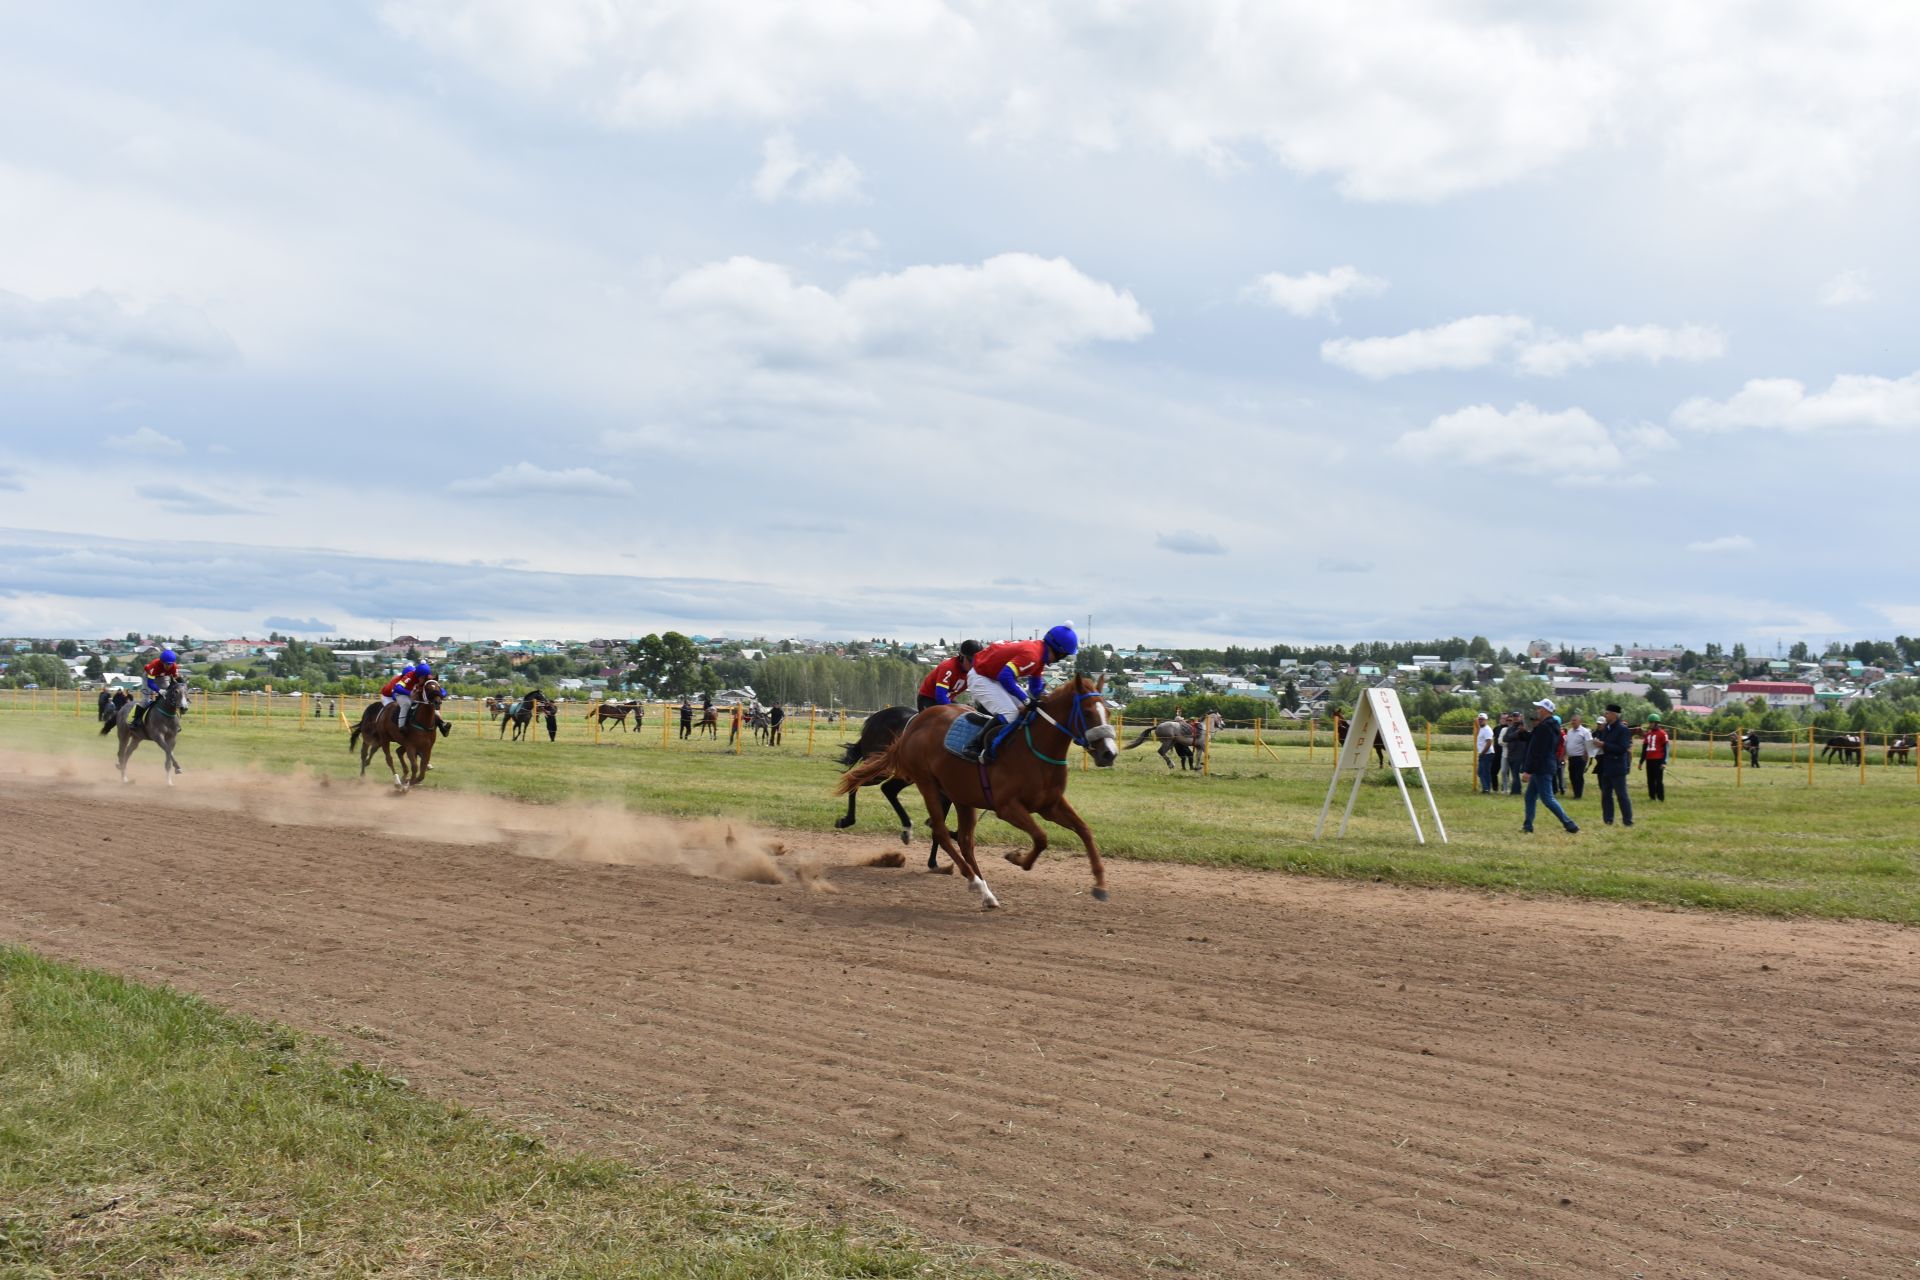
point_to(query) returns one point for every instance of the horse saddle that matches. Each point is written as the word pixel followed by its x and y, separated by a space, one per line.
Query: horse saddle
pixel 963 735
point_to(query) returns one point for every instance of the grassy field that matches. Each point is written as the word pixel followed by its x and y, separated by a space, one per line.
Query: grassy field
pixel 1761 840
pixel 143 1133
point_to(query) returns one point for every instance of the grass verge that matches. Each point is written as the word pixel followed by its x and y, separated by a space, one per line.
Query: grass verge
pixel 144 1133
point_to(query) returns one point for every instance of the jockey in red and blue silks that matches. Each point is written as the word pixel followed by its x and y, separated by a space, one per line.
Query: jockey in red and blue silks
pixel 402 687
pixel 163 668
pixel 949 678
pixel 999 669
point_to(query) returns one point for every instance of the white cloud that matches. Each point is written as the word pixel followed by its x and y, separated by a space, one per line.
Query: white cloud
pixel 1397 100
pixel 1845 289
pixel 788 173
pixel 1459 344
pixel 1478 341
pixel 1718 546
pixel 66 334
pixel 1015 302
pixel 1188 543
pixel 1568 445
pixel 147 441
pixel 524 477
pixel 1315 292
pixel 1782 404
pixel 183 501
pixel 1552 356
pixel 853 246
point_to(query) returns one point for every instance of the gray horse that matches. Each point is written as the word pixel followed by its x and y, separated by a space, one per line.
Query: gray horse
pixel 160 726
pixel 1180 736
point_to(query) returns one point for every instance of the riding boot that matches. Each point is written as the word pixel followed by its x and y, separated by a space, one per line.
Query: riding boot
pixel 445 729
pixel 400 719
pixel 987 738
pixel 139 714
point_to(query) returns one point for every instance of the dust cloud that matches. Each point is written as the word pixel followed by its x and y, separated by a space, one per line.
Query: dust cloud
pixel 598 833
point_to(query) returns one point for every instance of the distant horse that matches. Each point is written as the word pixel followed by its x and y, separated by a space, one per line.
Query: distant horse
pixel 521 714
pixel 111 700
pixel 1028 776
pixel 618 712
pixel 160 726
pixel 1844 747
pixel 1187 738
pixel 760 722
pixel 710 721
pixel 1379 744
pixel 1901 746
pixel 379 727
pixel 877 735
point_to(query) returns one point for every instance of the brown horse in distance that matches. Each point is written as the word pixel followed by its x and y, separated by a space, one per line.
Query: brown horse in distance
pixel 619 711
pixel 1028 776
pixel 379 727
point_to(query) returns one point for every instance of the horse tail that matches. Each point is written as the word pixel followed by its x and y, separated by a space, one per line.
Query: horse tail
pixel 353 738
pixel 870 770
pixel 850 754
pixel 109 725
pixel 1140 741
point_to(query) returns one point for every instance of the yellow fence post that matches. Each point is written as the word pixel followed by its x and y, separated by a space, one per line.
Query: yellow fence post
pixel 1429 737
pixel 665 744
pixel 810 715
pixel 1735 743
pixel 1809 755
pixel 303 709
pixel 1206 753
pixel 1865 737
pixel 233 706
pixel 594 711
pixel 1313 732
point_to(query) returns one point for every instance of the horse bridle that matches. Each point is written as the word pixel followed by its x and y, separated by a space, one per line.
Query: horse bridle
pixel 1076 729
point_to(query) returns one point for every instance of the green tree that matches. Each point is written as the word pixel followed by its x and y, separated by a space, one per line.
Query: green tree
pixel 1658 697
pixel 1799 651
pixel 94 670
pixel 1290 697
pixel 67 649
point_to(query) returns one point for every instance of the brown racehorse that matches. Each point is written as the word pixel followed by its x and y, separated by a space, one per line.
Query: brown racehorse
pixel 378 727
pixel 1028 776
pixel 619 711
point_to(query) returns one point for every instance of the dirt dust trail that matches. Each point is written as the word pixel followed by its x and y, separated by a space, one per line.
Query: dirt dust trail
pixel 1218 1073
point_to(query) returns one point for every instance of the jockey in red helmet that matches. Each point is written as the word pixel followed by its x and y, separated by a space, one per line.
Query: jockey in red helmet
pixel 162 669
pixel 1000 669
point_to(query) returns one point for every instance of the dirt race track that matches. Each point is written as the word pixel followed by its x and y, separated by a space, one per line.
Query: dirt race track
pixel 1215 1074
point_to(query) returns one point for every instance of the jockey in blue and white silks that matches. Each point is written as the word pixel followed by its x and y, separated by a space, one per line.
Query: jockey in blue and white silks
pixel 999 669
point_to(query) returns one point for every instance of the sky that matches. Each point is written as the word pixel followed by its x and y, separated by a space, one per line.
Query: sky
pixel 1211 322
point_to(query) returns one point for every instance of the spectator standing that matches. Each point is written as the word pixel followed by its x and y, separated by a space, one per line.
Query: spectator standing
pixel 1486 755
pixel 1752 744
pixel 1615 740
pixel 1559 756
pixel 776 719
pixel 1539 764
pixel 686 716
pixel 1515 737
pixel 1654 746
pixel 733 733
pixel 1579 749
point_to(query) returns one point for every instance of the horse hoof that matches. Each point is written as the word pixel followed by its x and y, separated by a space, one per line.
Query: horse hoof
pixel 906 835
pixel 1100 895
pixel 940 871
pixel 841 824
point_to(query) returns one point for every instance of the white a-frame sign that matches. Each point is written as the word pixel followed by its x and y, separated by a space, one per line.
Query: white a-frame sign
pixel 1379 713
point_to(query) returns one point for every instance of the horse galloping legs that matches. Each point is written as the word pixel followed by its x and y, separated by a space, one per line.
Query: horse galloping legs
pixel 962 854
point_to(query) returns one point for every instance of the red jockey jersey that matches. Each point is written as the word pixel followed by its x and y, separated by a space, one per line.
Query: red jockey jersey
pixel 412 680
pixel 1656 744
pixel 159 668
pixel 949 675
pixel 1026 657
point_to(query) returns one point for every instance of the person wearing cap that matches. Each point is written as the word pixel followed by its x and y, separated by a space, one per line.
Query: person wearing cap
pixel 1486 754
pixel 1543 749
pixel 1579 748
pixel 998 673
pixel 948 678
pixel 1616 749
pixel 1654 745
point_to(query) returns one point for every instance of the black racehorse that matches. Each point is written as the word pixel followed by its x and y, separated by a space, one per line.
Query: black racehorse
pixel 876 735
pixel 1844 747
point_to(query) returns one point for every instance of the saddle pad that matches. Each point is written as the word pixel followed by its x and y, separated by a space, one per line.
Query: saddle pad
pixel 964 732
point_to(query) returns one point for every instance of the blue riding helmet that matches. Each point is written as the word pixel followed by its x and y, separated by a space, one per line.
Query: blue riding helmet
pixel 423 670
pixel 408 670
pixel 168 655
pixel 1062 641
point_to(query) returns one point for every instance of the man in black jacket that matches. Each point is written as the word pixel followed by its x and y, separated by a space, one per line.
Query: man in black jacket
pixel 1542 762
pixel 1614 744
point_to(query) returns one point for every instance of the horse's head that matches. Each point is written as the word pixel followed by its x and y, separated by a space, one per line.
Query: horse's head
pixel 174 699
pixel 1079 707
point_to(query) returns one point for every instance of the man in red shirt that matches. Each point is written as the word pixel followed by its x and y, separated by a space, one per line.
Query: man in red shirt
pixel 1654 749
pixel 998 671
pixel 949 678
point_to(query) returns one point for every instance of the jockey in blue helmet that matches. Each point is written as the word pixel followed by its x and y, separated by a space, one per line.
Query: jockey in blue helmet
pixel 999 669
pixel 164 667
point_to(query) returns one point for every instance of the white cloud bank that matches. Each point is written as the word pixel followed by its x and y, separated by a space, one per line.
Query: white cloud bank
pixel 1477 341
pixel 62 334
pixel 524 477
pixel 1782 404
pixel 1396 100
pixel 1315 292
pixel 1846 289
pixel 1015 302
pixel 788 173
pixel 147 441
